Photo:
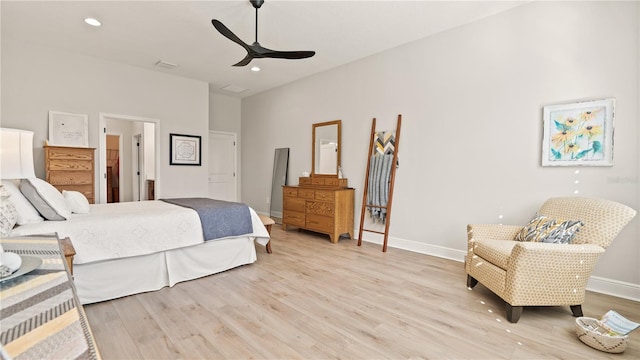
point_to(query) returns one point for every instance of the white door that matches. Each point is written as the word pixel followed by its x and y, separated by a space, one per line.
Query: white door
pixel 222 166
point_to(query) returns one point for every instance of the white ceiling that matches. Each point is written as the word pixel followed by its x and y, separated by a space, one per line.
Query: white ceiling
pixel 140 33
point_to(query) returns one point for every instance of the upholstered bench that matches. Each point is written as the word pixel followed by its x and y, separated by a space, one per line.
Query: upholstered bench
pixel 267 222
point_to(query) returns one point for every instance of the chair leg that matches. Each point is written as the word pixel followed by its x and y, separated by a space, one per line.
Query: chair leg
pixel 471 282
pixel 513 313
pixel 576 310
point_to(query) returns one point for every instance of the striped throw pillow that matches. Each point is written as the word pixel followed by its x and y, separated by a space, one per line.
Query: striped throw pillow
pixel 544 229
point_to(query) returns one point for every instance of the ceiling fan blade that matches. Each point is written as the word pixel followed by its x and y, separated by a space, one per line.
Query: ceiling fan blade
pixel 228 34
pixel 262 52
pixel 247 59
pixel 289 54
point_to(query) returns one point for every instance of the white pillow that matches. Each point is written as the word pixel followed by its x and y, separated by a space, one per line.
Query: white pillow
pixel 27 214
pixel 76 201
pixel 45 198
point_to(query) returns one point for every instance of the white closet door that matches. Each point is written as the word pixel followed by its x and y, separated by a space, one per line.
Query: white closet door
pixel 222 166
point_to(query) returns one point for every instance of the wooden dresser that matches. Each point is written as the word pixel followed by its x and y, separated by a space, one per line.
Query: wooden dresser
pixel 71 168
pixel 320 204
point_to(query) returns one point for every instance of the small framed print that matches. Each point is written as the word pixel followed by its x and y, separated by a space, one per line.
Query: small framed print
pixel 578 134
pixel 185 150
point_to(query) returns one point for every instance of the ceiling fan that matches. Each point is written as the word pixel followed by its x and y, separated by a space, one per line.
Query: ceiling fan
pixel 255 50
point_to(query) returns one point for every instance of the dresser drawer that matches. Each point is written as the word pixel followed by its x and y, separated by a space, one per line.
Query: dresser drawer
pixel 66 165
pixel 324 195
pixel 317 181
pixel 304 181
pixel 293 204
pixel 320 208
pixel 306 193
pixel 290 192
pixel 69 154
pixel 293 218
pixel 320 223
pixel 331 182
pixel 70 178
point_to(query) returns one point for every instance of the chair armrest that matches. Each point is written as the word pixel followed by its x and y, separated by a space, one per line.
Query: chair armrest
pixel 492 231
pixel 536 255
pixel 560 270
pixel 525 247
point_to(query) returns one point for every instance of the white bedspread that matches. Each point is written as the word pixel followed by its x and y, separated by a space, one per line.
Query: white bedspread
pixel 120 230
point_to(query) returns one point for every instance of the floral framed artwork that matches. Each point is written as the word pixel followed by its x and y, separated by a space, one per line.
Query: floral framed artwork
pixel 578 134
pixel 185 150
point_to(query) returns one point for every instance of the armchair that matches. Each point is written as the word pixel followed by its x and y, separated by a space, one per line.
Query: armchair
pixel 544 274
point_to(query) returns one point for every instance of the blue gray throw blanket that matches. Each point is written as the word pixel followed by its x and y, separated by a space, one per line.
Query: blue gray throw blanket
pixel 378 187
pixel 219 218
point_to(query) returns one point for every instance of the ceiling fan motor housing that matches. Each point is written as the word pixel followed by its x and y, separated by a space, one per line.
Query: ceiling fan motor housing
pixel 257 3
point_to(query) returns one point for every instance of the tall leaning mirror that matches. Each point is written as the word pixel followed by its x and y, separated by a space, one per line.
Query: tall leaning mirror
pixel 280 171
pixel 326 148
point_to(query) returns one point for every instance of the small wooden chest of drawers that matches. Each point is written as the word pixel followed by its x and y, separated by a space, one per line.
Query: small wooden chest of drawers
pixel 71 168
pixel 324 210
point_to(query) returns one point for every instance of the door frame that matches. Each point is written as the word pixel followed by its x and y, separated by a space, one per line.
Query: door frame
pixel 235 158
pixel 137 159
pixel 101 192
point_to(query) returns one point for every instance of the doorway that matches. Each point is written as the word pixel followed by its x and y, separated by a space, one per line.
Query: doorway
pixel 132 175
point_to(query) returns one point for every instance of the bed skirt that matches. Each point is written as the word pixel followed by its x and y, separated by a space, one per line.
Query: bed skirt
pixel 110 279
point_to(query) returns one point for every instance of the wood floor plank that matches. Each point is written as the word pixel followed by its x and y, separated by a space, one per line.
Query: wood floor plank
pixel 311 299
pixel 112 332
pixel 151 341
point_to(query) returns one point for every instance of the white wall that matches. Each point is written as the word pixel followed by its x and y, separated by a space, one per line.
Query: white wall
pixel 38 79
pixel 471 100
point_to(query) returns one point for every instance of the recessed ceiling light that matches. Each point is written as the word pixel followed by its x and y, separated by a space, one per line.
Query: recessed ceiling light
pixel 255 68
pixel 92 22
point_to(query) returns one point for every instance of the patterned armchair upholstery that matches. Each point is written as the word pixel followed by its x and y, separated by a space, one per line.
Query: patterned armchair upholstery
pixel 544 274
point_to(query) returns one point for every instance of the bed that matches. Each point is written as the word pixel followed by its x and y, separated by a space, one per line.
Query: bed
pixel 129 248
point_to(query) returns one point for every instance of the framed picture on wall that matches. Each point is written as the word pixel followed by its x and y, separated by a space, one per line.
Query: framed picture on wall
pixel 578 134
pixel 66 129
pixel 185 150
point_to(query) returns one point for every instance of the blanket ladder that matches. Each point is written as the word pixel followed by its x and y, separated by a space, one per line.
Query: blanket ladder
pixel 375 145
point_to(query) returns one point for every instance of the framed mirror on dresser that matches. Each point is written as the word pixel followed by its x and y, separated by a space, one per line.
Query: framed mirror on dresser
pixel 322 202
pixel 325 152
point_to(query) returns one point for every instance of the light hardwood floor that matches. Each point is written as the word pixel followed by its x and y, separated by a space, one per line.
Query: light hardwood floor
pixel 311 299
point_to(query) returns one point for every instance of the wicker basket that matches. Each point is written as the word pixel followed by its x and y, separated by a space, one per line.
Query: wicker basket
pixel 591 332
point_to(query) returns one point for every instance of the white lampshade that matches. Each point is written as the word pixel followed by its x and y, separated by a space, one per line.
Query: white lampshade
pixel 16 154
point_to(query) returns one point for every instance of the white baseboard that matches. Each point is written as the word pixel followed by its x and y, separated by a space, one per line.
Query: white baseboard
pixel 615 288
pixel 419 247
pixel 596 284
